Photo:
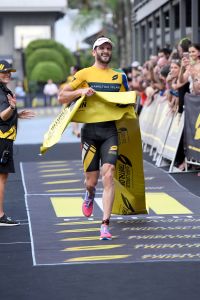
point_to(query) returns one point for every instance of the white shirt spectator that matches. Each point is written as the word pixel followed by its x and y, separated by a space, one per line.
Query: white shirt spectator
pixel 50 88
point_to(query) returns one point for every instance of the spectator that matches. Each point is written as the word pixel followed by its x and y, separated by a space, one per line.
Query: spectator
pixel 8 130
pixel 158 81
pixel 20 93
pixel 171 79
pixel 50 91
pixel 190 68
pixel 183 46
pixel 19 90
pixel 164 52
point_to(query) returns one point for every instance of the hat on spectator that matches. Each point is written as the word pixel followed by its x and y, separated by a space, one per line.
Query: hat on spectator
pixel 6 67
pixel 135 64
pixel 100 41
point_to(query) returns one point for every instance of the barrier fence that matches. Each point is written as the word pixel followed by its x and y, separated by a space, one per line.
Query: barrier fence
pixel 161 131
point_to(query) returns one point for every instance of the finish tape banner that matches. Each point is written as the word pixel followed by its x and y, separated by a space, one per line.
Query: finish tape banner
pixel 111 106
pixel 101 107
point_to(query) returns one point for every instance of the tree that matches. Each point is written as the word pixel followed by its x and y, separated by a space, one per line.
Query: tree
pixel 47 59
pixel 118 26
pixel 47 70
pixel 45 54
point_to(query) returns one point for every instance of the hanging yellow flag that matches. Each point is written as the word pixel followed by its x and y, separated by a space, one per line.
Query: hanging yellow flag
pixel 129 175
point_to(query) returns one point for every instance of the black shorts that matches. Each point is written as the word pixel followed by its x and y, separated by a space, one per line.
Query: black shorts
pixel 6 161
pixel 99 145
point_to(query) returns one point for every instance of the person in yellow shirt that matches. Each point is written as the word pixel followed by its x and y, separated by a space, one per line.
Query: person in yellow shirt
pixel 99 140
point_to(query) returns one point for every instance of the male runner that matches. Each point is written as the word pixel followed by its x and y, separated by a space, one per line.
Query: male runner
pixel 99 140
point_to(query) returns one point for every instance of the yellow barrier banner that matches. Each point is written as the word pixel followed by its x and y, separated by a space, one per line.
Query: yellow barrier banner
pixel 111 106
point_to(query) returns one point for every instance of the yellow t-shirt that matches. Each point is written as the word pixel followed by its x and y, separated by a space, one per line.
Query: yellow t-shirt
pixel 102 80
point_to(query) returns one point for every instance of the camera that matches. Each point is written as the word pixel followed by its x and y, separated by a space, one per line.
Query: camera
pixel 4 157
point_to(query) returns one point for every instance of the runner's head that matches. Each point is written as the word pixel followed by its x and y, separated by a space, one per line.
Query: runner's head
pixel 102 40
pixel 102 50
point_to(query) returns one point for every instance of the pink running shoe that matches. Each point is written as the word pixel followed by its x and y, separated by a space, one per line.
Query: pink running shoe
pixel 105 233
pixel 87 206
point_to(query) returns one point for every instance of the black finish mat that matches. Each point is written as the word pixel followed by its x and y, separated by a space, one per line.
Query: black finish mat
pixel 61 235
pixel 162 280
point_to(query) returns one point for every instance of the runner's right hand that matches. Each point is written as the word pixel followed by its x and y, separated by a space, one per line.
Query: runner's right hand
pixel 88 92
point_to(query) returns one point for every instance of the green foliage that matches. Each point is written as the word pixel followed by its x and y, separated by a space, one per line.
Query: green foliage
pixel 103 5
pixel 86 18
pixel 86 58
pixel 33 87
pixel 81 4
pixel 115 16
pixel 47 70
pixel 44 54
pixel 91 10
pixel 50 44
pixel 46 58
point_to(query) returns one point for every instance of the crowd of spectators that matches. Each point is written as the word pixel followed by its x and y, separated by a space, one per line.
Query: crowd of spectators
pixel 170 73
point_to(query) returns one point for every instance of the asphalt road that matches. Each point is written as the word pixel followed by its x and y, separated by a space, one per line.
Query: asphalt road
pixel 19 279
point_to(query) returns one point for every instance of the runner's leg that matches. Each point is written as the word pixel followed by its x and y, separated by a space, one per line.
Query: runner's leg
pixel 108 189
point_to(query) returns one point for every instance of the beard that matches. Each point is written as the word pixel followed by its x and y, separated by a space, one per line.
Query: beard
pixel 104 59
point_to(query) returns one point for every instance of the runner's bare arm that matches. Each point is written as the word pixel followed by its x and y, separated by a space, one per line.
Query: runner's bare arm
pixel 67 94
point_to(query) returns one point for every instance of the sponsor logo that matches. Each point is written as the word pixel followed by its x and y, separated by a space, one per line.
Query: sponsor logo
pixel 123 136
pixel 83 104
pixel 113 148
pixel 125 160
pixel 127 208
pixel 115 77
pixel 125 174
pixel 197 127
pixel 105 87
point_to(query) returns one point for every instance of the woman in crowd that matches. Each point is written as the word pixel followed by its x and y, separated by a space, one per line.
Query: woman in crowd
pixel 190 69
pixel 172 79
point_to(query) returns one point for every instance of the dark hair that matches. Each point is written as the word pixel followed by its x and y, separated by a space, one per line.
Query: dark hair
pixel 165 70
pixel 166 51
pixel 195 45
pixel 185 44
pixel 127 71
